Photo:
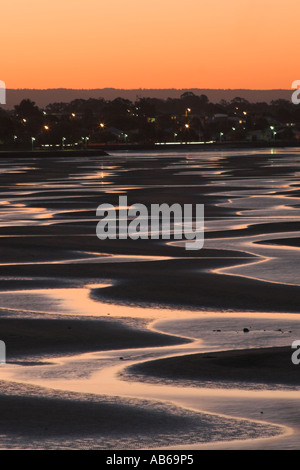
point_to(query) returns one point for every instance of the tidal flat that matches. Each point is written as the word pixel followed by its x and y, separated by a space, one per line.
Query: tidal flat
pixel 142 344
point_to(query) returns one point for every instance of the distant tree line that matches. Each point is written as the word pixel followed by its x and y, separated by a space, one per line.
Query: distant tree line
pixel 87 122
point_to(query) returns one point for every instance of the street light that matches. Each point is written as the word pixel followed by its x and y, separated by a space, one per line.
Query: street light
pixel 32 143
pixel 63 142
pixel 273 131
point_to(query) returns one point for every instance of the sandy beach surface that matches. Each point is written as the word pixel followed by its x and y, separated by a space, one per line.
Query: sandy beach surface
pixel 141 344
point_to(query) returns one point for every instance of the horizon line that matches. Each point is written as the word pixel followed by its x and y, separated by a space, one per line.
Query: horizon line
pixel 145 89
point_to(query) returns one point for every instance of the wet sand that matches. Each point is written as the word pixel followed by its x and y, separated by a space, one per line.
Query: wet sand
pixel 46 419
pixel 45 338
pixel 267 366
pixel 48 241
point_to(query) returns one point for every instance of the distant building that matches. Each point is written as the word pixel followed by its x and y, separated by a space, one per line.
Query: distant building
pixel 259 135
pixel 220 117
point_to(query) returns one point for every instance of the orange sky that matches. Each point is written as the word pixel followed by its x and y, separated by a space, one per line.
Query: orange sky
pixel 150 44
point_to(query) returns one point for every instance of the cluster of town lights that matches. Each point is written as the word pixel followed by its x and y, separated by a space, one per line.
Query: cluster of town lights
pixel 187 126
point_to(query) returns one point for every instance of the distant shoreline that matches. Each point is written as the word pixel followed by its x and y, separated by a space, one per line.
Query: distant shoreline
pixel 43 97
pixel 101 150
pixel 198 146
pixel 51 153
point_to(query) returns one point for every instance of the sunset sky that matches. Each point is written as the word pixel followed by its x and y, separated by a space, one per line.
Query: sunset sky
pixel 150 44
